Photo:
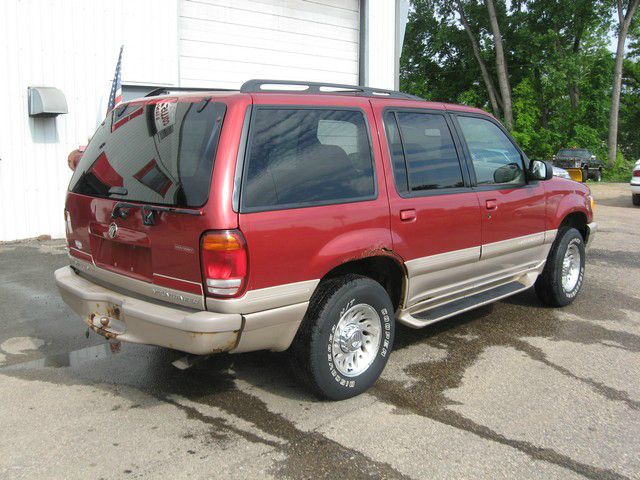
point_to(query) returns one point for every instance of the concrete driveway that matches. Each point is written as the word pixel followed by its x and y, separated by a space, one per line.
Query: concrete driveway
pixel 513 390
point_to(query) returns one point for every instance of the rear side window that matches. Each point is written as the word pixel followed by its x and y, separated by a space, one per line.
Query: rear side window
pixel 159 152
pixel 423 152
pixel 301 157
pixel 495 159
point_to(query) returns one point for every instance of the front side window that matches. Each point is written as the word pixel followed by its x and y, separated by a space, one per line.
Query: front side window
pixel 495 159
pixel 423 152
pixel 301 157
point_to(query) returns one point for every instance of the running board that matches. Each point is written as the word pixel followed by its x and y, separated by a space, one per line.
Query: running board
pixel 464 304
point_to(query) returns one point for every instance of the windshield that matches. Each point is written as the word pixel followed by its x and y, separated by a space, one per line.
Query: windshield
pixel 160 152
pixel 574 153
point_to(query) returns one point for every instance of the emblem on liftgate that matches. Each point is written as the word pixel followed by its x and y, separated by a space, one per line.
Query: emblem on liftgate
pixel 113 230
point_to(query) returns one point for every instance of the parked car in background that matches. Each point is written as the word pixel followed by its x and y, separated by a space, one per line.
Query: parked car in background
pixel 274 219
pixel 580 163
pixel 561 173
pixel 635 184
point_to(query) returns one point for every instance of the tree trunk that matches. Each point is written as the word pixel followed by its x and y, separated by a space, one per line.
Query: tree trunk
pixel 624 20
pixel 501 65
pixel 491 89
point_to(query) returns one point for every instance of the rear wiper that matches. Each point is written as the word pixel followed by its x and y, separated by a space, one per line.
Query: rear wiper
pixel 121 210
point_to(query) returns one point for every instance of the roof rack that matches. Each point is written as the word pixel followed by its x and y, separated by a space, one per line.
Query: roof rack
pixel 256 85
pixel 167 90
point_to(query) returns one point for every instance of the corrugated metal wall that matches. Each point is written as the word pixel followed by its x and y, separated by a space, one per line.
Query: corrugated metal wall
pixel 224 43
pixel 72 45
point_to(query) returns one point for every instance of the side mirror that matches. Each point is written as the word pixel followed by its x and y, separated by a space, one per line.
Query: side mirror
pixel 539 170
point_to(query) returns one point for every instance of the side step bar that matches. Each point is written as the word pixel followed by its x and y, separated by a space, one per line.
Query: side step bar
pixel 450 309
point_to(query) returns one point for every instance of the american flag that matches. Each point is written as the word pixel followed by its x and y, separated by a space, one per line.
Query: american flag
pixel 115 97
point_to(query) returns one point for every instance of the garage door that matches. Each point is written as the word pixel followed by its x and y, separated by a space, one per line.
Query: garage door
pixel 222 43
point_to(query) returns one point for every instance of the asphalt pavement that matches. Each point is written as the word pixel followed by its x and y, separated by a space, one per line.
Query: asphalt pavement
pixel 511 390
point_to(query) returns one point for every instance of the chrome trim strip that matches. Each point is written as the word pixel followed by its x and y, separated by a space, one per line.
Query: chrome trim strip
pixel 150 290
pixel 441 261
pixel 179 279
pixel 265 298
pixel 512 245
pixel 81 252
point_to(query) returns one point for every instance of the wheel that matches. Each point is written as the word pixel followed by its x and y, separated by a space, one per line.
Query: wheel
pixel 563 274
pixel 635 198
pixel 598 175
pixel 346 337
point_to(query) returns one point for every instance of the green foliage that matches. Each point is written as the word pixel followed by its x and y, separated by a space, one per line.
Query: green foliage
pixel 559 64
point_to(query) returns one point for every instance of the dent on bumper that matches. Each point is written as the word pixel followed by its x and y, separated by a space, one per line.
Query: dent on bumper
pixel 130 319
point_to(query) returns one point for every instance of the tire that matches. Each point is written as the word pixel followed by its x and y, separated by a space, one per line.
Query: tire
pixel 635 198
pixel 327 338
pixel 598 176
pixel 550 287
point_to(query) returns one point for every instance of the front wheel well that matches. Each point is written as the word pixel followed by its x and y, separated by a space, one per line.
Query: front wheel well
pixel 577 220
pixel 384 269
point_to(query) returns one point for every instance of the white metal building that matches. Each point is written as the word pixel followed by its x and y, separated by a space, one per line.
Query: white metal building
pixel 73 45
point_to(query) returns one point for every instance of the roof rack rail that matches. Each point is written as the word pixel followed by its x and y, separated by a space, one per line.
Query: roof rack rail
pixel 255 86
pixel 167 90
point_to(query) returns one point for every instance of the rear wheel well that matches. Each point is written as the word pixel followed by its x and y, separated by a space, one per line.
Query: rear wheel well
pixel 577 220
pixel 383 269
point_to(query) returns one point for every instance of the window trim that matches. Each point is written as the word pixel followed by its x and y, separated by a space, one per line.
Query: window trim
pixel 457 144
pixel 320 203
pixel 469 161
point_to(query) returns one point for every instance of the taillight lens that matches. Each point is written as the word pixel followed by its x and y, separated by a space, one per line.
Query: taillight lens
pixel 224 263
pixel 636 173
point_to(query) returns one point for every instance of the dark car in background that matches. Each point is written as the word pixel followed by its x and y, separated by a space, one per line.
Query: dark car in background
pixel 580 163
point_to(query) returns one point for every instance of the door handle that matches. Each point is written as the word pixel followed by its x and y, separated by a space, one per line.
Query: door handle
pixel 408 215
pixel 492 205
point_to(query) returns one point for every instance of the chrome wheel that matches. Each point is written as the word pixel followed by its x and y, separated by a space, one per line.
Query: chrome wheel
pixel 356 340
pixel 571 268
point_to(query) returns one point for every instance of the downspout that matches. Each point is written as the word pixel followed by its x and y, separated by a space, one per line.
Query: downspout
pixel 363 46
pixel 402 15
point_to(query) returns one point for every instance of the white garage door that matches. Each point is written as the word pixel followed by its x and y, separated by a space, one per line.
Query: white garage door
pixel 226 42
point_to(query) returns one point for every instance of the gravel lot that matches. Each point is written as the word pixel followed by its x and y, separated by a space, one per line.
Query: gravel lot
pixel 512 390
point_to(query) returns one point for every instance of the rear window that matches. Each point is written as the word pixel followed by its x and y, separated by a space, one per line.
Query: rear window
pixel 158 152
pixel 423 152
pixel 302 157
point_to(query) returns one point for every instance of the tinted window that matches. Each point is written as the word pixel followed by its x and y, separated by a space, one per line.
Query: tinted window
pixel 158 152
pixel 495 159
pixel 423 151
pixel 303 157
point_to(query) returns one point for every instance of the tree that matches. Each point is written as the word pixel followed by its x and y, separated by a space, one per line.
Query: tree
pixel 501 66
pixel 624 21
pixel 486 76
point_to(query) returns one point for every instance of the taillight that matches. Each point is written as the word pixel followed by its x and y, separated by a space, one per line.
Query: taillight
pixel 636 173
pixel 224 263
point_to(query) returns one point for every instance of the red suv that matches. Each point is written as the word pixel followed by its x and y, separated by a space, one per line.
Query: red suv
pixel 310 217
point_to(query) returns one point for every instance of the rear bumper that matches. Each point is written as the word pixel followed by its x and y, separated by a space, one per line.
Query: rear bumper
pixel 635 188
pixel 130 319
pixel 116 315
